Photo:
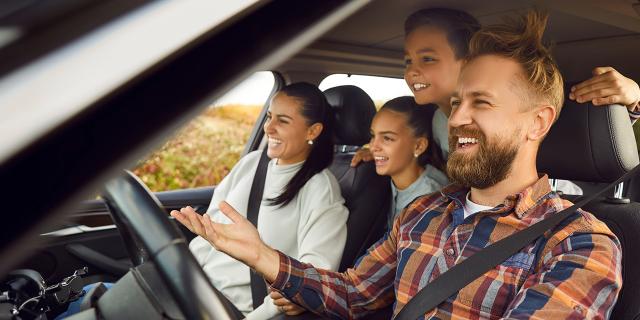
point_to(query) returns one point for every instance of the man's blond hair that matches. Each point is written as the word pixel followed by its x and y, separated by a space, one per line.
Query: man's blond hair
pixel 520 39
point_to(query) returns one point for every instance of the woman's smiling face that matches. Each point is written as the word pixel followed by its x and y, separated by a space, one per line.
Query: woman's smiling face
pixel 287 130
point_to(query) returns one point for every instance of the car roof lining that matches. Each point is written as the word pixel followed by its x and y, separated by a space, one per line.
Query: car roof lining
pixel 603 32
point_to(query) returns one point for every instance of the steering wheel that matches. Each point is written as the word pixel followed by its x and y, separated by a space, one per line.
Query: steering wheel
pixel 147 231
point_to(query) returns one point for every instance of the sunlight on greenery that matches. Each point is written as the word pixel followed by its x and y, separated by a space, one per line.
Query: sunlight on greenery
pixel 203 152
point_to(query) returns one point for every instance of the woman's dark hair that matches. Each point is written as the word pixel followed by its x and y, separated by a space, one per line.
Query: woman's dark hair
pixel 458 25
pixel 419 119
pixel 315 109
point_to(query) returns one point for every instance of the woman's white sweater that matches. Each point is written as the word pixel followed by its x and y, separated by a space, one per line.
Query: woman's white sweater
pixel 311 228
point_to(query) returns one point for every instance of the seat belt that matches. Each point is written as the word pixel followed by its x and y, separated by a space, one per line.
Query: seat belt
pixel 460 275
pixel 258 285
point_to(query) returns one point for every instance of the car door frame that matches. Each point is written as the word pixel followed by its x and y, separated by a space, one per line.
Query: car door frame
pixel 203 73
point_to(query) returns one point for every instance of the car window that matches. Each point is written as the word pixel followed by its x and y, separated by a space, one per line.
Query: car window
pixel 380 89
pixel 204 151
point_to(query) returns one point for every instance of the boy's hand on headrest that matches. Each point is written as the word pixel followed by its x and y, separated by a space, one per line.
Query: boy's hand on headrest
pixel 607 86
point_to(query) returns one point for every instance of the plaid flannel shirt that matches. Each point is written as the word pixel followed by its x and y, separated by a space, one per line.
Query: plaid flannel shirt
pixel 572 272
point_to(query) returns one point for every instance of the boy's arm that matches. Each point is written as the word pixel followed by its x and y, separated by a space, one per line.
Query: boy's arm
pixel 608 86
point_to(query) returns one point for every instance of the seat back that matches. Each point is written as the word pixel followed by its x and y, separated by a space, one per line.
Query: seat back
pixel 597 144
pixel 367 195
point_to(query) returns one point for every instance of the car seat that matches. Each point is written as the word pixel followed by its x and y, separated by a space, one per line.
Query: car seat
pixel 597 144
pixel 367 195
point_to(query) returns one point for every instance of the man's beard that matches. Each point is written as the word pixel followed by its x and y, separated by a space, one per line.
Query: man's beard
pixel 490 164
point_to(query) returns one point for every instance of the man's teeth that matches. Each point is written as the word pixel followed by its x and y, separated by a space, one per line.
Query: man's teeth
pixel 379 158
pixel 464 140
pixel 418 86
pixel 274 141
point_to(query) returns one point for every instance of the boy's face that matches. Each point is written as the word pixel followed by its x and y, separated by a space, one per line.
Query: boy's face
pixel 431 68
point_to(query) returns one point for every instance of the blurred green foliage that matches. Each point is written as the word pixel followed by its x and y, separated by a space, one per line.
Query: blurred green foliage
pixel 203 152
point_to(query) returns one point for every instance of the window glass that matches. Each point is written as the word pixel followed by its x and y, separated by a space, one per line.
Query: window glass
pixel 380 89
pixel 205 150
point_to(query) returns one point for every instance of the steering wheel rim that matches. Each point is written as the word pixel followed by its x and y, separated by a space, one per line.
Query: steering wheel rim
pixel 138 212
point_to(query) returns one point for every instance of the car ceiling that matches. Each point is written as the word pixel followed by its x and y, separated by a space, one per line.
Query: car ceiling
pixel 584 34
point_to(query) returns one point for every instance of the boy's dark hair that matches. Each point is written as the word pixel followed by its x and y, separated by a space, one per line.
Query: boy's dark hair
pixel 419 120
pixel 459 26
pixel 315 109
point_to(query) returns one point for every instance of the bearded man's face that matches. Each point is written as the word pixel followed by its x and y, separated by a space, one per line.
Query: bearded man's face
pixel 477 161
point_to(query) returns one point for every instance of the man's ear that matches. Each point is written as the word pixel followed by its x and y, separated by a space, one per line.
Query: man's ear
pixel 314 131
pixel 422 144
pixel 544 117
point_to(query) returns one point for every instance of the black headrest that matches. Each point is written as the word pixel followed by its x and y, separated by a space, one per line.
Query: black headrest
pixel 354 111
pixel 589 143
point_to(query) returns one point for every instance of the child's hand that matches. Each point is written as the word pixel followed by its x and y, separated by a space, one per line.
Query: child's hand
pixel 363 154
pixel 607 86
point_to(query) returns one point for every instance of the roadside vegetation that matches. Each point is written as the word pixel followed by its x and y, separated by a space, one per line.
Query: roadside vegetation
pixel 203 152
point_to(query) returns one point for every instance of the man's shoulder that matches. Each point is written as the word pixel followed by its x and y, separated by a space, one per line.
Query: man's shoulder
pixel 583 222
pixel 578 225
pixel 580 221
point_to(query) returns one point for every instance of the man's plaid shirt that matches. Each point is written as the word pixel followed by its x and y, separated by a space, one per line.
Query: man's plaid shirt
pixel 573 272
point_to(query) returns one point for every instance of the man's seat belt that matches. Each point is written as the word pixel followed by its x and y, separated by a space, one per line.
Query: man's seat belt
pixel 258 285
pixel 460 275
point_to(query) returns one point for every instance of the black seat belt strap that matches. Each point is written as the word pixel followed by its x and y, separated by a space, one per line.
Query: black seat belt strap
pixel 460 275
pixel 258 285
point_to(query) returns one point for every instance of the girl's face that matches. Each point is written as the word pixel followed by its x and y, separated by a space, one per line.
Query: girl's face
pixel 393 143
pixel 287 130
pixel 431 69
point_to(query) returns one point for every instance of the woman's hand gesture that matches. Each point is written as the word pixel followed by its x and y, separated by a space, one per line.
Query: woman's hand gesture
pixel 240 239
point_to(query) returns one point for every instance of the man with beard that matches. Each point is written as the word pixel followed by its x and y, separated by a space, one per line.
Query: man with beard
pixel 509 95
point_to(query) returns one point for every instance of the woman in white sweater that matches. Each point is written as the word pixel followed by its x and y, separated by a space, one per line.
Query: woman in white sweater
pixel 301 213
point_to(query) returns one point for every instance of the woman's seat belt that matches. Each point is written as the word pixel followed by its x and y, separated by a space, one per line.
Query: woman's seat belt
pixel 258 285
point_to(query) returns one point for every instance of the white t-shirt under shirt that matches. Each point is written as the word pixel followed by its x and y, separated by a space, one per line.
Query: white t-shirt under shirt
pixel 471 208
pixel 311 228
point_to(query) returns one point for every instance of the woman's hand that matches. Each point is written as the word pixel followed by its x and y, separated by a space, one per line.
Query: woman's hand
pixel 607 86
pixel 240 239
pixel 363 154
pixel 285 305
pixel 189 218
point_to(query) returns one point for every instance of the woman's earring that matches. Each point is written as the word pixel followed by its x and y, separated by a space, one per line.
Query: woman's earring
pixel 415 155
pixel 310 142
